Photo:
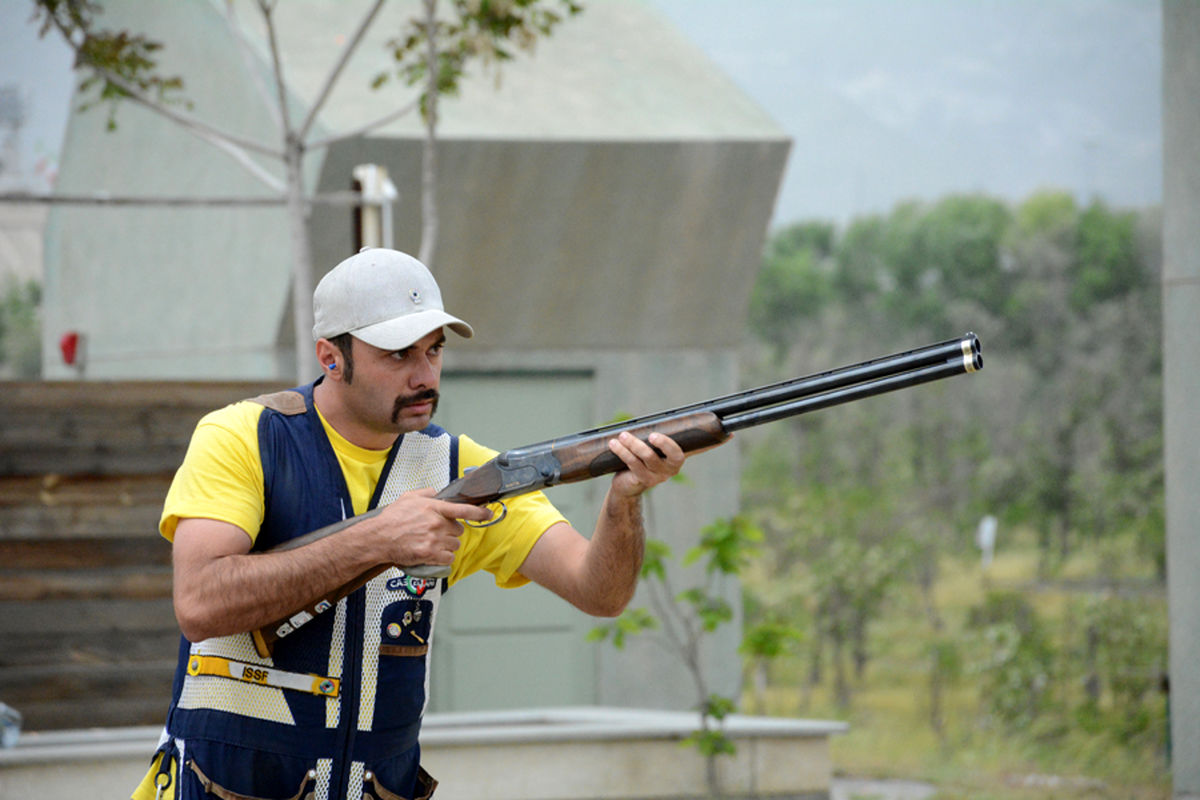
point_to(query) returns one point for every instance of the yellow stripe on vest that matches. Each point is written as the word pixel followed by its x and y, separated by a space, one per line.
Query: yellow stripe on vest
pixel 265 676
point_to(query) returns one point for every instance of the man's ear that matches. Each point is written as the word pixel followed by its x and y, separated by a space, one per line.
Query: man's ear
pixel 329 358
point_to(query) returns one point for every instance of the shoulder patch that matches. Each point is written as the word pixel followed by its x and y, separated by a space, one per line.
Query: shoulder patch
pixel 286 402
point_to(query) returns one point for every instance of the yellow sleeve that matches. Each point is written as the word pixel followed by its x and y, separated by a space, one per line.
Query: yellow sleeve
pixel 221 475
pixel 501 548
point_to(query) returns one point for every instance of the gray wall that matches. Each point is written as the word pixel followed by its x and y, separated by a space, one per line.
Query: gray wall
pixel 1181 368
pixel 527 636
pixel 588 244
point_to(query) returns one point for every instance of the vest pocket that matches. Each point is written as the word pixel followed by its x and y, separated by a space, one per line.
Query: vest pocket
pixel 216 770
pixel 406 626
pixel 374 788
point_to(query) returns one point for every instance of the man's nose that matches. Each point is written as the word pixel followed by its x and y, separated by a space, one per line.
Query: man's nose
pixel 424 374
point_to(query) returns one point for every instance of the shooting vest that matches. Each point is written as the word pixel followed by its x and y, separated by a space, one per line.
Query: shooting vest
pixel 336 709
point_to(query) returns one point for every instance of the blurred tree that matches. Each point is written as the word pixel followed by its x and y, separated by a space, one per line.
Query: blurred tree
pixel 431 53
pixel 1106 263
pixel 793 284
pixel 1060 434
pixel 1016 659
pixel 683 619
pixel 20 331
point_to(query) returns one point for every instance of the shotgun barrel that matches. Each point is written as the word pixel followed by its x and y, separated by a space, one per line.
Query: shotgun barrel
pixel 585 455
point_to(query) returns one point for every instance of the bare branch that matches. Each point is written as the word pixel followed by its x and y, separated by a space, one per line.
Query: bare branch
pixel 186 120
pixel 277 64
pixel 243 159
pixel 429 215
pixel 336 72
pixel 344 198
pixel 408 108
pixel 251 63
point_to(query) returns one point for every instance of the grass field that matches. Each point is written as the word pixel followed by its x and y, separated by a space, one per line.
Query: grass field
pixel 1069 749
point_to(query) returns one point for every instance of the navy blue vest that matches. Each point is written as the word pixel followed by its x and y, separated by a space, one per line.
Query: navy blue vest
pixel 373 646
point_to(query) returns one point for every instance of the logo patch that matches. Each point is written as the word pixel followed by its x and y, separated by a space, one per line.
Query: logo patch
pixel 414 586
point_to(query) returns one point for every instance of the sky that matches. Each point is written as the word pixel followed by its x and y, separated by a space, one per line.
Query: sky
pixel 38 72
pixel 891 99
pixel 885 100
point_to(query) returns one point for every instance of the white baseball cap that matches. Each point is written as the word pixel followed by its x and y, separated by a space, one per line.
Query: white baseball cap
pixel 383 297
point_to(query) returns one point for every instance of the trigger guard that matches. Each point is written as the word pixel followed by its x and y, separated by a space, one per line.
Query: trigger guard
pixel 490 522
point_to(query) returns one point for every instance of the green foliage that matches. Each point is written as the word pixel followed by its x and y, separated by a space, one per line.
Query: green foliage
pixel 1128 642
pixel 1017 658
pixel 478 30
pixel 792 286
pixel 116 59
pixel 1059 438
pixel 727 544
pixel 682 619
pixel 1043 215
pixel 947 658
pixel 1062 429
pixel 1107 265
pixel 770 639
pixel 630 623
pixel 713 742
pixel 488 31
pixel 861 265
pixel 654 563
pixel 20 329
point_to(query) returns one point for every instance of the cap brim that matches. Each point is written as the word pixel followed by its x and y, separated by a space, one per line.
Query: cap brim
pixel 402 332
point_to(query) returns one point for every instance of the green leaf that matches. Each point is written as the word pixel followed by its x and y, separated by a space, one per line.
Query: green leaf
pixel 719 707
pixel 770 640
pixel 654 563
pixel 711 743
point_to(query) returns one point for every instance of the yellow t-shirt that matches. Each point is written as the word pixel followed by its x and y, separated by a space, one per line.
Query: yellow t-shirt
pixel 221 478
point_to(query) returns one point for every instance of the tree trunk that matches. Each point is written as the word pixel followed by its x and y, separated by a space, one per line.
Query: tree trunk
pixel 301 266
pixel 859 641
pixel 936 715
pixel 429 214
pixel 759 679
pixel 927 572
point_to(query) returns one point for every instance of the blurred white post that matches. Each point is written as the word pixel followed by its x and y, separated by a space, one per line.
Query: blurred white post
pixel 378 194
pixel 985 539
pixel 1181 378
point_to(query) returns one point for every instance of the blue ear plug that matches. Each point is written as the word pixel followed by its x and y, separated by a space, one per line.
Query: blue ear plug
pixel 332 366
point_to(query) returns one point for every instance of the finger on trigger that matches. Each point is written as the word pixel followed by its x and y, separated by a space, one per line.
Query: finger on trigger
pixel 470 512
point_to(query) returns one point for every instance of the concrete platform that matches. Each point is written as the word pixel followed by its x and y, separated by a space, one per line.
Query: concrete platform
pixel 542 754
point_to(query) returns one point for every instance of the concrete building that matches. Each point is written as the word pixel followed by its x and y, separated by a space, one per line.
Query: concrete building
pixel 603 208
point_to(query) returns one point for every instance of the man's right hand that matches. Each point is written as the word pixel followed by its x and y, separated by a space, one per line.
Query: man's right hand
pixel 220 587
pixel 419 529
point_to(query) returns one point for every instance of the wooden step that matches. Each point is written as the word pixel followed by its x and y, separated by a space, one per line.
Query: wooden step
pixel 88 636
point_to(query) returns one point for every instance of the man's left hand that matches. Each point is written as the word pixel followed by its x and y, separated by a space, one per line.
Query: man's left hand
pixel 647 464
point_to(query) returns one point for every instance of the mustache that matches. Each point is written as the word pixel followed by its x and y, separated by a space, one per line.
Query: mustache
pixel 412 400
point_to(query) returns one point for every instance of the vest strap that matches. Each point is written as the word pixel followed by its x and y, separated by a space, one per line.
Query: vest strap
pixel 263 675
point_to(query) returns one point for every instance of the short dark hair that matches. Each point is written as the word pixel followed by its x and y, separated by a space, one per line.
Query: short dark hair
pixel 345 343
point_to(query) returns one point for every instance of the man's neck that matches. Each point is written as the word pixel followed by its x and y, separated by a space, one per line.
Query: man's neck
pixel 334 412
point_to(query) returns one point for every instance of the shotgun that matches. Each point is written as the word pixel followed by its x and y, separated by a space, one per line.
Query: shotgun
pixel 585 455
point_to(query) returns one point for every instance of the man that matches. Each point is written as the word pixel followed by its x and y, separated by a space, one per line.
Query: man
pixel 335 710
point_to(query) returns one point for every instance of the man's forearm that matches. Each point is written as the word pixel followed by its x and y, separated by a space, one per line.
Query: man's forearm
pixel 236 593
pixel 614 558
